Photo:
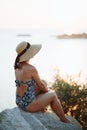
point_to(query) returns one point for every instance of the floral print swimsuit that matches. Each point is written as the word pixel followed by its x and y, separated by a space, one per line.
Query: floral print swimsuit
pixel 28 96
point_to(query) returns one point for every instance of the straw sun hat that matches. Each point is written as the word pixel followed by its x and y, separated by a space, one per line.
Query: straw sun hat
pixel 26 51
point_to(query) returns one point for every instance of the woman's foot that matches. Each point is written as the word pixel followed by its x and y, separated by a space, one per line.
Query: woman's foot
pixel 66 120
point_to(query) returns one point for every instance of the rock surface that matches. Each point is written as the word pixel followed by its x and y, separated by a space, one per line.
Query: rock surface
pixel 16 119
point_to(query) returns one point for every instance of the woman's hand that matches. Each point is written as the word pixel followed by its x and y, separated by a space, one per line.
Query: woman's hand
pixel 38 90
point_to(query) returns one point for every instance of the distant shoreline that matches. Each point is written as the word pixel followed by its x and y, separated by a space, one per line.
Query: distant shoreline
pixel 73 36
pixel 23 35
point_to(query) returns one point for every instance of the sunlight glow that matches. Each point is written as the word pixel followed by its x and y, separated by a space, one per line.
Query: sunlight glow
pixel 62 14
pixel 65 56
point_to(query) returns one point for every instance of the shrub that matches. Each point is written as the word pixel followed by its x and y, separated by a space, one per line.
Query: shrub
pixel 73 98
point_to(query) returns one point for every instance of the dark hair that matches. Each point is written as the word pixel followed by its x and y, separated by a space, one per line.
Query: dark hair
pixel 17 63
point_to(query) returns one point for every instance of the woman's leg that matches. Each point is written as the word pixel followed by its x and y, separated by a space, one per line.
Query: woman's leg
pixel 40 102
pixel 57 108
pixel 45 99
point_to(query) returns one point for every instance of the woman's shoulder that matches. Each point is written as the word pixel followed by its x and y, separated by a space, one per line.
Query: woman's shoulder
pixel 30 67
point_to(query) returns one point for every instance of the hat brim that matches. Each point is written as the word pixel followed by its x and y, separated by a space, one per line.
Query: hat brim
pixel 32 51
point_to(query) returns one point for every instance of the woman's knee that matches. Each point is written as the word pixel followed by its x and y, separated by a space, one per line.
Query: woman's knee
pixel 53 94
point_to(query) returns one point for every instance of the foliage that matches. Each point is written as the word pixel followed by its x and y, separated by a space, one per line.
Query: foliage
pixel 73 98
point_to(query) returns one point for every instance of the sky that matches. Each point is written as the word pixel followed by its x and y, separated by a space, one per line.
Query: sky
pixel 60 14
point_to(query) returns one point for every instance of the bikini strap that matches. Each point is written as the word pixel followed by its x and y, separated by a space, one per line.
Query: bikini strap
pixel 23 82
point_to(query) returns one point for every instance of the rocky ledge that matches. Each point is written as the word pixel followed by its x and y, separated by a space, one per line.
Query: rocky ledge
pixel 16 119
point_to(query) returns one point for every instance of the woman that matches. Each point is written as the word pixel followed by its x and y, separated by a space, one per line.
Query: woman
pixel 32 94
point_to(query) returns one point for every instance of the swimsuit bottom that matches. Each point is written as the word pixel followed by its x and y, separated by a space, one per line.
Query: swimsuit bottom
pixel 28 96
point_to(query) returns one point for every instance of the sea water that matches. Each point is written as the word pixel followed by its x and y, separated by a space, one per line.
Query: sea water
pixel 69 56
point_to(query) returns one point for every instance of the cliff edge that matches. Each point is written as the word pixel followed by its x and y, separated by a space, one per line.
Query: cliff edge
pixel 16 119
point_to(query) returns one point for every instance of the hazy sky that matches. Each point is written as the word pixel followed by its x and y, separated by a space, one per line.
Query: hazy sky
pixel 61 14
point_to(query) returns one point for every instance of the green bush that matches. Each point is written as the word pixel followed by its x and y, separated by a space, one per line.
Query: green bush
pixel 73 98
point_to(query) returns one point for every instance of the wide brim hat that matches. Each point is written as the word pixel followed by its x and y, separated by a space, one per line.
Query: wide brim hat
pixel 30 51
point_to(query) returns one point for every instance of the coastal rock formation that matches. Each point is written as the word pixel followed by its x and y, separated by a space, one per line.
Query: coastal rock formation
pixel 72 36
pixel 16 119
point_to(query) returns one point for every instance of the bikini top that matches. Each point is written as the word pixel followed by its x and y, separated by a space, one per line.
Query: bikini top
pixel 29 82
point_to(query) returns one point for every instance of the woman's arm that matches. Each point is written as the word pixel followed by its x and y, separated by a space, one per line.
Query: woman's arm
pixel 40 84
pixel 37 89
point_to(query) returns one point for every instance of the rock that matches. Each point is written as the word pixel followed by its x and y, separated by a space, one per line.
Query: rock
pixel 16 119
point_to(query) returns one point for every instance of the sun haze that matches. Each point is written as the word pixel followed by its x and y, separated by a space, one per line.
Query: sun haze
pixel 61 14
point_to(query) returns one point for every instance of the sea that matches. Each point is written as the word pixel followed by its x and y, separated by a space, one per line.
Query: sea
pixel 62 56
